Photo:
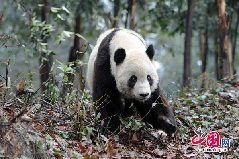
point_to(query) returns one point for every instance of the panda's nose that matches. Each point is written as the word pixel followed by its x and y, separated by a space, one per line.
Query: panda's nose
pixel 144 94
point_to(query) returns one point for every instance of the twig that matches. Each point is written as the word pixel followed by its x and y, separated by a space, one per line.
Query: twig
pixel 18 115
pixel 3 77
pixel 6 78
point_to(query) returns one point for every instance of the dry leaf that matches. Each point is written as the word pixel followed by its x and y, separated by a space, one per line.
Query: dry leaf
pixel 82 148
pixel 110 149
pixel 135 138
pixel 3 87
pixel 21 86
pixel 26 118
pixel 147 143
pixel 158 152
pixel 39 127
pixel 90 156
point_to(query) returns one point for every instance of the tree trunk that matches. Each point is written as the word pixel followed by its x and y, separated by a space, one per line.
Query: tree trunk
pixel 75 55
pixel 230 18
pixel 45 60
pixel 225 68
pixel 127 14
pixel 187 75
pixel 116 12
pixel 204 59
pixel 234 44
pixel 205 51
pixel 216 51
pixel 201 44
pixel 131 13
pixel 74 52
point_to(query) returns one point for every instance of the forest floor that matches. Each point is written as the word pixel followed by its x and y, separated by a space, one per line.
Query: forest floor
pixel 31 127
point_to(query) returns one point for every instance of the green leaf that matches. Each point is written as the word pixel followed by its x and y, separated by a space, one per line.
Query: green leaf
pixel 65 9
pixel 57 152
pixel 60 17
pixel 43 44
pixel 50 53
pixel 80 36
pixel 40 5
pixel 55 10
pixel 67 33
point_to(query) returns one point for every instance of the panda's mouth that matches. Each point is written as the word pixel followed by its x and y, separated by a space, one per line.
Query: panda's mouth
pixel 142 99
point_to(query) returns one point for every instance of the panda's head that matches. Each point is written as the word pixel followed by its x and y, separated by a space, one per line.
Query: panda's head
pixel 136 76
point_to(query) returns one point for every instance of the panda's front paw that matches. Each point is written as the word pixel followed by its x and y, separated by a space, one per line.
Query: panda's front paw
pixel 170 127
pixel 166 124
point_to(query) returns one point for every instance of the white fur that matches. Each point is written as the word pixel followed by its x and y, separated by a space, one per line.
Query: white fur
pixel 128 40
pixel 135 63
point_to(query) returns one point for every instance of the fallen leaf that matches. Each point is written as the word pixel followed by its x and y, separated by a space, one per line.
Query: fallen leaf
pixel 236 129
pixel 25 117
pixel 147 143
pixel 134 137
pixel 110 149
pixel 158 152
pixel 39 127
pixel 87 156
pixel 21 86
pixel 82 148
pixel 62 127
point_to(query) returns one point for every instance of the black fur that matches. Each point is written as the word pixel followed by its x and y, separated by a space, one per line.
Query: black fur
pixel 150 52
pixel 157 112
pixel 119 56
pixel 105 94
pixel 132 81
pixel 108 100
pixel 127 109
pixel 150 80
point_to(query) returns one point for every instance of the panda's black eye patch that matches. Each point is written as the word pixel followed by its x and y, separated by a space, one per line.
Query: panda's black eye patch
pixel 132 80
pixel 119 56
pixel 150 80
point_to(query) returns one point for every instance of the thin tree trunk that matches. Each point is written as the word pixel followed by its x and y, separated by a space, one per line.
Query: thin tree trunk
pixel 201 44
pixel 234 44
pixel 131 13
pixel 127 14
pixel 225 68
pixel 205 52
pixel 75 55
pixel 187 75
pixel 116 12
pixel 45 60
pixel 74 52
pixel 204 60
pixel 232 4
pixel 202 57
pixel 216 51
pixel 230 18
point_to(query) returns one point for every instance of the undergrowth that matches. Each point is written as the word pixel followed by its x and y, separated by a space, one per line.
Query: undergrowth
pixel 66 126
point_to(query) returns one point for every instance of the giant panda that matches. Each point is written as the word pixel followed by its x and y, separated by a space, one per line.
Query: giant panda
pixel 121 75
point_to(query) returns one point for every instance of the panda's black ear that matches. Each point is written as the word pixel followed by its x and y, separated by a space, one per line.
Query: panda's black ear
pixel 119 56
pixel 150 52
